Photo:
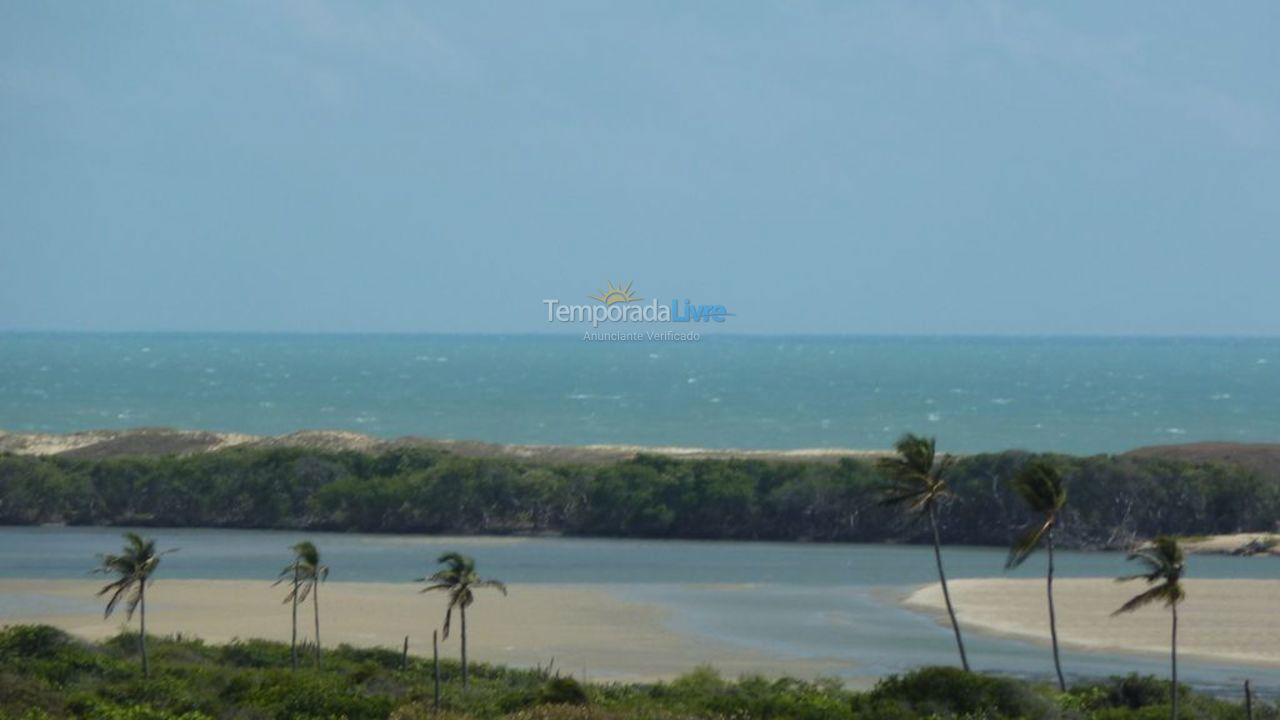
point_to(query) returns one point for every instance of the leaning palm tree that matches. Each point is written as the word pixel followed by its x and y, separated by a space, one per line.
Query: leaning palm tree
pixel 304 574
pixel 132 568
pixel 1164 568
pixel 918 484
pixel 1040 486
pixel 459 579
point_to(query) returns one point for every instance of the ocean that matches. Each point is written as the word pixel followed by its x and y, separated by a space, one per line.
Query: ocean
pixel 1077 395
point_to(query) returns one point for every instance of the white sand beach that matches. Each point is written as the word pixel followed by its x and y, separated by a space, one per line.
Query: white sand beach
pixel 1233 620
pixel 584 627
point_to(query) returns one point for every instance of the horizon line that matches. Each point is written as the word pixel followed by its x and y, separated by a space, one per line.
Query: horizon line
pixel 707 336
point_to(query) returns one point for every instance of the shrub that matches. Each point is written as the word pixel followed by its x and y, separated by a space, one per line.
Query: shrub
pixel 950 691
pixel 255 654
pixel 21 694
pixel 562 691
pixel 703 680
pixel 32 642
pixel 1133 691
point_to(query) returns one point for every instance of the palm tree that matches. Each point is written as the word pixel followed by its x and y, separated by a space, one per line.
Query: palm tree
pixel 305 574
pixel 1164 564
pixel 1039 484
pixel 132 568
pixel 918 483
pixel 459 579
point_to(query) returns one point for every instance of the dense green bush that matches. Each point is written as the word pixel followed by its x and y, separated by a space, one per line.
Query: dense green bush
pixel 562 691
pixel 46 674
pixel 1138 691
pixel 32 642
pixel 949 692
pixel 1113 499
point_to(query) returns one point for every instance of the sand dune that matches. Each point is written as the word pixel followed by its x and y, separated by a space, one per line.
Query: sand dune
pixel 100 444
pixel 581 626
pixel 1233 620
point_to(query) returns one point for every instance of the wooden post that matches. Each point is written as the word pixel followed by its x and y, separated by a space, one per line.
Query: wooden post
pixel 1248 701
pixel 404 654
pixel 435 660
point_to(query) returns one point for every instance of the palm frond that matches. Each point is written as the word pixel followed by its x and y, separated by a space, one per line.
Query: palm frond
pixel 1040 486
pixel 916 477
pixel 307 554
pixel 1169 594
pixel 457 578
pixel 1149 577
pixel 496 584
pixel 1026 544
pixel 120 590
pixel 1164 563
pixel 894 495
pixel 947 462
pixel 132 603
pixel 133 568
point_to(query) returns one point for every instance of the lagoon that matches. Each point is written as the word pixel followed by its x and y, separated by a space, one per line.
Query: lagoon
pixel 796 602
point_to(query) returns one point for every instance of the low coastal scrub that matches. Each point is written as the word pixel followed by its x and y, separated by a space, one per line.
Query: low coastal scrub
pixel 45 673
pixel 1114 499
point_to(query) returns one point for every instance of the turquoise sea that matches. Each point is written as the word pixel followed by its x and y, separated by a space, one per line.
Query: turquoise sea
pixel 1081 395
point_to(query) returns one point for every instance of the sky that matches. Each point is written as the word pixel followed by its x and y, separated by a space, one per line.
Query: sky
pixel 815 167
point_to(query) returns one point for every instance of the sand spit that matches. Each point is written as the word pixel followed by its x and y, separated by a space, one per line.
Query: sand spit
pixel 1253 544
pixel 583 627
pixel 1231 620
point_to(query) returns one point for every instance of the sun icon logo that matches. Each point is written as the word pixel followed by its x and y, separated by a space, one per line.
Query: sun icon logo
pixel 613 295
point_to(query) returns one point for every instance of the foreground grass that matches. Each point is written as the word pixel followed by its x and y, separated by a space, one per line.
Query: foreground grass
pixel 44 673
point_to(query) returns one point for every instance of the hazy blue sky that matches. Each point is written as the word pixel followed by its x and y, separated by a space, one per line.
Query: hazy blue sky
pixel 818 167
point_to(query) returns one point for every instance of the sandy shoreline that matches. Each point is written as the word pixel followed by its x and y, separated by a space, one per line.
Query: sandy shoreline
pixel 1232 544
pixel 1231 620
pixel 581 626
pixel 100 444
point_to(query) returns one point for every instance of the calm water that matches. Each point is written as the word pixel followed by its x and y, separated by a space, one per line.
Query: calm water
pixel 1074 395
pixel 801 601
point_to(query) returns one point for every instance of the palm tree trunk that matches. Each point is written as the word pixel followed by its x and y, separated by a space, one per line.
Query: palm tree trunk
pixel 293 642
pixel 435 664
pixel 315 604
pixel 942 577
pixel 142 625
pixel 465 680
pixel 1053 619
pixel 1173 689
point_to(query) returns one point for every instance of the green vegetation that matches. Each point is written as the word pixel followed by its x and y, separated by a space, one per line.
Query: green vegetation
pixel 1164 565
pixel 1114 500
pixel 1040 486
pixel 918 485
pixel 460 580
pixel 44 673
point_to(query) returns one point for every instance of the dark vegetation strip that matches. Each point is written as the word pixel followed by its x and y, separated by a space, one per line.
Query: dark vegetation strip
pixel 1114 499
